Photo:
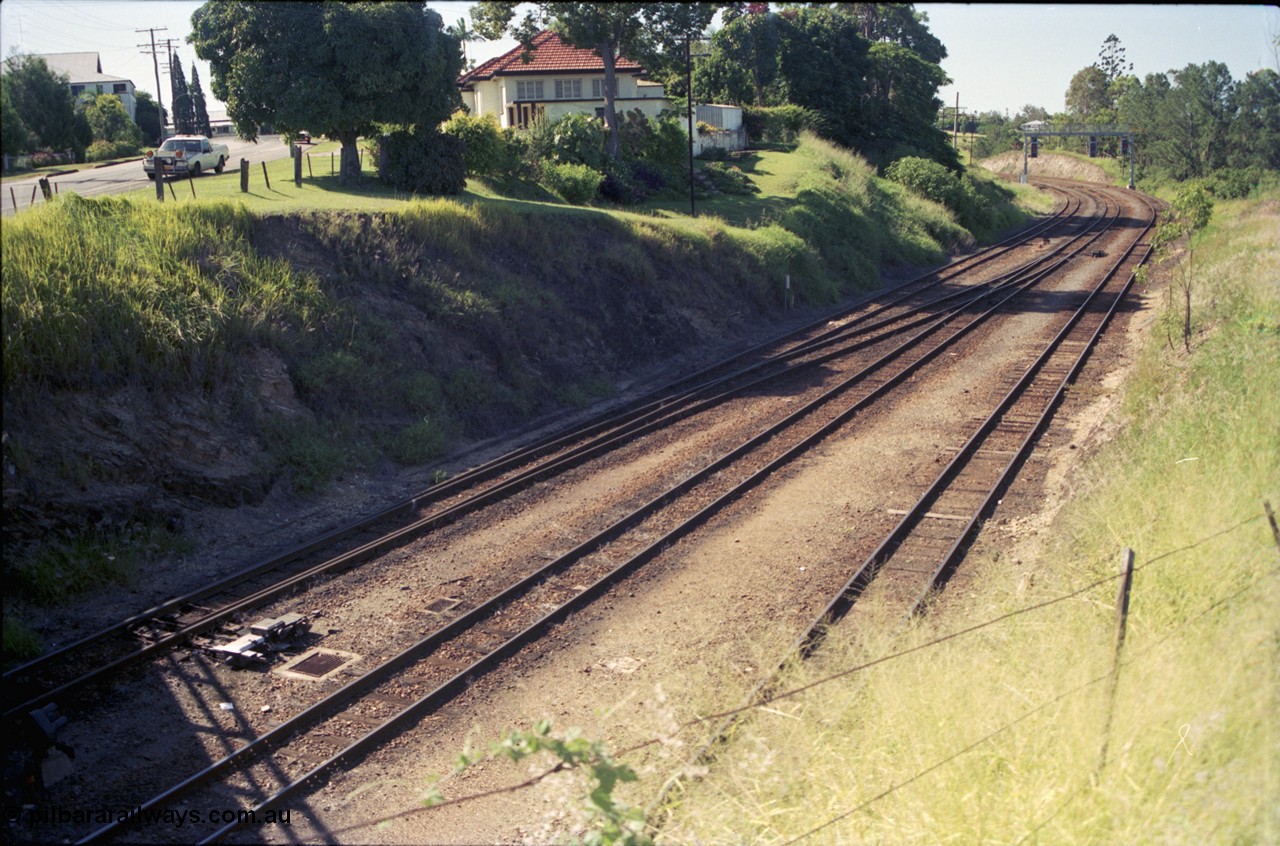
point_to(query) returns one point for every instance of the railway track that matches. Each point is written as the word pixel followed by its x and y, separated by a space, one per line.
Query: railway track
pixel 867 354
pixel 154 631
pixel 922 551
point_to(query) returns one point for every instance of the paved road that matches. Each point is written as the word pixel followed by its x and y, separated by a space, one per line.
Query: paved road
pixel 129 176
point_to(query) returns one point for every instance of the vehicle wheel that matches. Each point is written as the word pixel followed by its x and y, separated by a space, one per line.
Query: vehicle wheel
pixel 221 164
pixel 195 170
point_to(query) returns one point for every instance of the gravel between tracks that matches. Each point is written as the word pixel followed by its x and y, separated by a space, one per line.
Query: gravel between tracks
pixel 691 635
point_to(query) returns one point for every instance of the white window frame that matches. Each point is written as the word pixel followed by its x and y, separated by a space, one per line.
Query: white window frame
pixel 597 89
pixel 529 89
pixel 568 89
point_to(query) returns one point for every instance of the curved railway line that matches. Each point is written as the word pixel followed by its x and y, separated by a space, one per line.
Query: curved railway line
pixel 596 505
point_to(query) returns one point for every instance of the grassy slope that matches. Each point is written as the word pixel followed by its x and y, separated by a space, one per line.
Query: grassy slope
pixel 995 737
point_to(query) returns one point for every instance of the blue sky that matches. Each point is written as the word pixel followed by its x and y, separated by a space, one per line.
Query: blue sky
pixel 1000 56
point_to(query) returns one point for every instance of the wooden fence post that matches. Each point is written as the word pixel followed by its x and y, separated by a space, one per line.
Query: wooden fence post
pixel 1122 617
pixel 173 192
pixel 192 182
pixel 244 176
pixel 1271 518
pixel 310 175
pixel 43 182
pixel 297 166
pixel 14 199
pixel 266 178
pixel 159 184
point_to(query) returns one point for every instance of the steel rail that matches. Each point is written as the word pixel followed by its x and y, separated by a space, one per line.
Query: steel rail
pixel 946 567
pixel 657 399
pixel 812 636
pixel 661 416
pixel 476 617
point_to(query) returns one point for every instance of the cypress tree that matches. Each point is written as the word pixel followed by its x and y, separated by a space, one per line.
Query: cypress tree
pixel 197 97
pixel 184 113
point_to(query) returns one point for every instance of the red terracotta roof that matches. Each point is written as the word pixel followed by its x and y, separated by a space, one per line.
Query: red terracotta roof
pixel 550 55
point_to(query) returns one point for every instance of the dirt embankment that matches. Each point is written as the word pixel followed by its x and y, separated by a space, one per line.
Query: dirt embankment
pixel 1046 164
pixel 592 311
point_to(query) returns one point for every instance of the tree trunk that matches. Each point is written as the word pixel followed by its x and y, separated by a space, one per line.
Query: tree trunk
pixel 613 146
pixel 349 167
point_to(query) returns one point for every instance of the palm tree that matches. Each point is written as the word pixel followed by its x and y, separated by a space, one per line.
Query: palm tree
pixel 465 33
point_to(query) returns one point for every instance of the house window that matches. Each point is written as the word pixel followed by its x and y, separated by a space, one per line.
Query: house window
pixel 120 88
pixel 531 90
pixel 568 89
pixel 597 88
pixel 77 90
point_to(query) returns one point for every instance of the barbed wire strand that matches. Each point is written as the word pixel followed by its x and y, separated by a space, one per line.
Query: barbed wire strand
pixel 1124 663
pixel 698 721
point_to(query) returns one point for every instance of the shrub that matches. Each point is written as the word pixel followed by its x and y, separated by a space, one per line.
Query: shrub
pixel 101 151
pixel 669 145
pixel 484 148
pixel 778 124
pixel 1232 184
pixel 578 139
pixel 424 162
pixel 928 179
pixel 417 444
pixel 729 179
pixel 575 183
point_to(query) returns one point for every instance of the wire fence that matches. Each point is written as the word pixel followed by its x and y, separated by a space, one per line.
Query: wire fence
pixel 764 702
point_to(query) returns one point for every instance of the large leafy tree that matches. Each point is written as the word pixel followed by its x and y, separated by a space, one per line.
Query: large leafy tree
pixel 110 122
pixel 1185 118
pixel 876 95
pixel 147 116
pixel 743 67
pixel 42 102
pixel 1088 94
pixel 1255 127
pixel 14 137
pixel 335 69
pixel 895 23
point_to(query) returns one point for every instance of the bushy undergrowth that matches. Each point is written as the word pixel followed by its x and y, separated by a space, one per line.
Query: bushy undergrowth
pixel 996 736
pixel 855 222
pixel 422 162
pixel 978 202
pixel 575 183
pixel 98 292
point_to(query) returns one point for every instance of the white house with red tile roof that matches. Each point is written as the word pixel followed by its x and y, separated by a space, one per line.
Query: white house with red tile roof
pixel 84 74
pixel 556 80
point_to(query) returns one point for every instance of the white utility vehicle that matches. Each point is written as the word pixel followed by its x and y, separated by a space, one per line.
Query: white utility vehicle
pixel 185 154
